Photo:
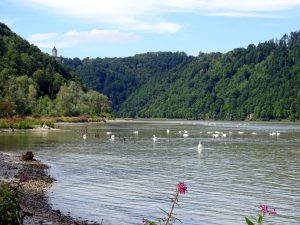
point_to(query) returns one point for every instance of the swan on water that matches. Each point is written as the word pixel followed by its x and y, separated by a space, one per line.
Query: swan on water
pixel 215 135
pixel 84 136
pixel 154 138
pixel 199 146
pixel 185 134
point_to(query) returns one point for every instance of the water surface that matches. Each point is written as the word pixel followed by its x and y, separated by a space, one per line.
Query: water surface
pixel 121 181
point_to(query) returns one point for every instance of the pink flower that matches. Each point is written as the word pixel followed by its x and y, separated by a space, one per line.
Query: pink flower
pixel 181 187
pixel 264 209
pixel 272 212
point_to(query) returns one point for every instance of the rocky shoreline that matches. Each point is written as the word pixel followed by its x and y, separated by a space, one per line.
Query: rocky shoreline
pixel 35 183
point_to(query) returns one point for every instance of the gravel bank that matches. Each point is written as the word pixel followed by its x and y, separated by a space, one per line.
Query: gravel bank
pixel 36 182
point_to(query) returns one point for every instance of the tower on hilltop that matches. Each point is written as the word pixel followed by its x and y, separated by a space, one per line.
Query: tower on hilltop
pixel 54 52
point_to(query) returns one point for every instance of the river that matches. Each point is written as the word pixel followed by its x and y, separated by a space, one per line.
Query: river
pixel 121 180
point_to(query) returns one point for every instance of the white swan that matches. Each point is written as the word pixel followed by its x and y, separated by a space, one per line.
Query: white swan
pixel 167 131
pixel 108 133
pixel 154 138
pixel 215 135
pixel 277 133
pixel 136 132
pixel 84 136
pixel 199 146
pixel 112 137
pixel 272 134
pixel 185 135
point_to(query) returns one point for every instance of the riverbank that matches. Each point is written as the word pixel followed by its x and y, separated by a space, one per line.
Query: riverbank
pixel 35 183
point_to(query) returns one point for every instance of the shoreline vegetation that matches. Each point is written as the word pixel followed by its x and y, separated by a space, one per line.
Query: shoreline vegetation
pixel 15 123
pixel 34 182
pixel 12 124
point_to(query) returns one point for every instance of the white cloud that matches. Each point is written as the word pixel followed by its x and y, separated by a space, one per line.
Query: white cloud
pixel 159 27
pixel 73 37
pixel 151 15
pixel 234 5
pixel 100 35
pixel 42 37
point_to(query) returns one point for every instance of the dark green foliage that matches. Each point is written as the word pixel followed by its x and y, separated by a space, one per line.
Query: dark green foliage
pixel 258 82
pixel 10 209
pixel 119 77
pixel 30 80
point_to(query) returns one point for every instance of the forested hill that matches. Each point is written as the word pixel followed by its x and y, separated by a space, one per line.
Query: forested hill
pixel 34 83
pixel 260 82
pixel 118 78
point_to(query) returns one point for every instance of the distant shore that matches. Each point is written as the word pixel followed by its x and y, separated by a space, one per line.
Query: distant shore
pixel 34 200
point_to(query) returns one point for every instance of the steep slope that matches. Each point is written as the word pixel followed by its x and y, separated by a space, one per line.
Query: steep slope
pixel 260 82
pixel 30 81
pixel 119 77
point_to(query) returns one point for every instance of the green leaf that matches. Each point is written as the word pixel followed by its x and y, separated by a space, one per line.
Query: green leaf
pixel 152 223
pixel 260 218
pixel 249 222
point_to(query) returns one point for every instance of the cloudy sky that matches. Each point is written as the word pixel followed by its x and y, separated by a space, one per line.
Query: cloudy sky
pixel 118 28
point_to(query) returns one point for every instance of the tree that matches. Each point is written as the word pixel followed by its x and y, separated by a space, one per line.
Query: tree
pixel 69 99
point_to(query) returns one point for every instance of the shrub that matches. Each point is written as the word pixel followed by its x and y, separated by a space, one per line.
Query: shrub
pixel 10 209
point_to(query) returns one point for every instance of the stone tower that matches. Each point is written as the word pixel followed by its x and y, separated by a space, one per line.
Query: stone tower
pixel 54 52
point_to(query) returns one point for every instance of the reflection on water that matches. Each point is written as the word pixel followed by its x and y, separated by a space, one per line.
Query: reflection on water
pixel 131 177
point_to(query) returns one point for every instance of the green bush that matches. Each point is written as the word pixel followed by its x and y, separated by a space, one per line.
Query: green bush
pixel 10 209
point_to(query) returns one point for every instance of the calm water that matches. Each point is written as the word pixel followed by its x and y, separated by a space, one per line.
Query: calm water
pixel 123 180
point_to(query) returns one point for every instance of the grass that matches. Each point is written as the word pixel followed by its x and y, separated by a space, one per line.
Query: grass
pixel 30 122
pixel 25 122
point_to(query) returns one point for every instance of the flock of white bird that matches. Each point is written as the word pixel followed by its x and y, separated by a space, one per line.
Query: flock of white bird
pixel 215 134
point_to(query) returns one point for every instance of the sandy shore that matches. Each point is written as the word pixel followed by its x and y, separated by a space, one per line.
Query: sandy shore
pixel 36 182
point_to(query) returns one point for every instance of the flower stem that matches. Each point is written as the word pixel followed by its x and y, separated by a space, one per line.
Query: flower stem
pixel 173 206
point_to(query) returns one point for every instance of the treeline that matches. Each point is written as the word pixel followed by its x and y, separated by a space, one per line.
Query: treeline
pixel 258 82
pixel 118 78
pixel 34 83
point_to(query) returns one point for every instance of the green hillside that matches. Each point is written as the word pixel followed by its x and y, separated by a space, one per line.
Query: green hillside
pixel 34 83
pixel 118 78
pixel 260 82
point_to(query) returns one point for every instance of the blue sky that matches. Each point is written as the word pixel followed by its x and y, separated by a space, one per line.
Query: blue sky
pixel 119 28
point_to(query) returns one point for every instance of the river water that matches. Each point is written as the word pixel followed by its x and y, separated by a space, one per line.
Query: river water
pixel 121 181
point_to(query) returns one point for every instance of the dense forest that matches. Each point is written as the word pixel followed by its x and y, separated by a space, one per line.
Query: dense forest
pixel 118 78
pixel 34 83
pixel 260 82
pixel 257 83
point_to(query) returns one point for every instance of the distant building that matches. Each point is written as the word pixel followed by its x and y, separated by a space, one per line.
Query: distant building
pixel 54 52
pixel 54 55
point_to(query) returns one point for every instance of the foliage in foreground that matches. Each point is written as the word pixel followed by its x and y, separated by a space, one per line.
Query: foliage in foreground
pixel 181 188
pixel 169 218
pixel 263 211
pixel 10 209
